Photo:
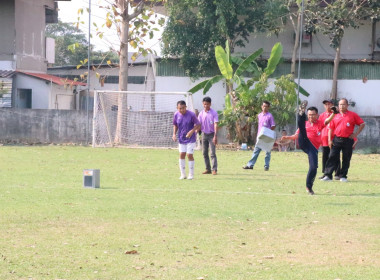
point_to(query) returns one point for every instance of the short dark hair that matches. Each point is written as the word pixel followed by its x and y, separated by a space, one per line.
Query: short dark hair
pixel 266 102
pixel 207 99
pixel 344 99
pixel 313 109
pixel 181 102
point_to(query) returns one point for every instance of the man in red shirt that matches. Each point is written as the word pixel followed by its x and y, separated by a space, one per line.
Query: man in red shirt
pixel 343 126
pixel 309 139
pixel 329 107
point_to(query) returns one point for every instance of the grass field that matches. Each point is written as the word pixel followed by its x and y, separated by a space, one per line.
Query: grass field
pixel 144 223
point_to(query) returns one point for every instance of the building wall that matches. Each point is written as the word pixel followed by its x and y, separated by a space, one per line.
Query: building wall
pixel 40 91
pixel 62 98
pixel 45 95
pixel 7 34
pixel 356 43
pixel 30 34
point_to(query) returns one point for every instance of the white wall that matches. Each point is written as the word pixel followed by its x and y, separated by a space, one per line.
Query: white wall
pixel 366 95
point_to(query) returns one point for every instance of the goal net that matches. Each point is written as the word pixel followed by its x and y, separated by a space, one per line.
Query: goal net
pixel 133 118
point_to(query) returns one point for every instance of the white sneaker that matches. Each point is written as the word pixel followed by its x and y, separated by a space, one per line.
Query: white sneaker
pixel 326 179
pixel 344 180
pixel 190 177
pixel 182 177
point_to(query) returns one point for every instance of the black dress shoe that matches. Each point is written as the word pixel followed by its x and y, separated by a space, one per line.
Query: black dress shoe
pixel 310 191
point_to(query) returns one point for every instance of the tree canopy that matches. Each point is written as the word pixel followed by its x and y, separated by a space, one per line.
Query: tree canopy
pixel 71 45
pixel 195 27
pixel 334 19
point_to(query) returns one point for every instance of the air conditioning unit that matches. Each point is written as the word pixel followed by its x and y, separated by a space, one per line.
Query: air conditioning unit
pixel 306 38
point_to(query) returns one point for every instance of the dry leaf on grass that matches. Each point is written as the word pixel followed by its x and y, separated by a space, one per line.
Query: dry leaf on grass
pixel 133 252
pixel 269 257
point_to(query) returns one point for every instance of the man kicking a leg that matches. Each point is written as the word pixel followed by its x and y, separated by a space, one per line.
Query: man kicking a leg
pixel 309 139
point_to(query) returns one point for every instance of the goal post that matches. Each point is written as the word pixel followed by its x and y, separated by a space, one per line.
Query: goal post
pixel 136 118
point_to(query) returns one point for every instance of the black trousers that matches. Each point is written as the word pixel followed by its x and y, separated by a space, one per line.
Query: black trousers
pixel 312 153
pixel 325 157
pixel 344 145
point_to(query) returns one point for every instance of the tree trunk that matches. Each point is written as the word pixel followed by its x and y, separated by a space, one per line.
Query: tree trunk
pixel 121 126
pixel 334 90
pixel 238 123
pixel 295 47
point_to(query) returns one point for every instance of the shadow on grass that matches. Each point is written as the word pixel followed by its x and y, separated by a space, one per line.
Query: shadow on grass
pixel 232 178
pixel 375 195
pixel 101 188
pixel 339 204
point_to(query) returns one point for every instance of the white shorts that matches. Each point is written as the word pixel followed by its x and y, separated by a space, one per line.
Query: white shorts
pixel 187 148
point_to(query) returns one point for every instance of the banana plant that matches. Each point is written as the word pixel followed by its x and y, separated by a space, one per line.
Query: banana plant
pixel 231 77
pixel 242 95
pixel 249 65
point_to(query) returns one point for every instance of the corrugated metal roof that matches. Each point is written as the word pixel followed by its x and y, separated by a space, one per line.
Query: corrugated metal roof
pixel 140 60
pixel 310 69
pixel 6 73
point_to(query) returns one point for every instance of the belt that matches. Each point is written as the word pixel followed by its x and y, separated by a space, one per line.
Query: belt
pixel 342 138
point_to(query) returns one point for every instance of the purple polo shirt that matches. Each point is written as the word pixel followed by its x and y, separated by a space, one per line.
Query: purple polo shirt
pixel 185 123
pixel 265 120
pixel 207 120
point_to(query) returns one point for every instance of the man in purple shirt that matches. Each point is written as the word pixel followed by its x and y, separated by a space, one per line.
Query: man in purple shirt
pixel 209 126
pixel 185 123
pixel 265 120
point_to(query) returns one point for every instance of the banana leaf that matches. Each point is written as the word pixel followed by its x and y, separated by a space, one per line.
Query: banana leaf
pixel 212 81
pixel 274 59
pixel 245 64
pixel 198 86
pixel 223 63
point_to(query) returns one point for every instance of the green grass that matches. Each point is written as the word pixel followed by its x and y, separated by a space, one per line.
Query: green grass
pixel 240 224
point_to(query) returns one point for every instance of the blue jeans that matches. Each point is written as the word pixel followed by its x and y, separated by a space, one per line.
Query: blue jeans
pixel 312 153
pixel 255 155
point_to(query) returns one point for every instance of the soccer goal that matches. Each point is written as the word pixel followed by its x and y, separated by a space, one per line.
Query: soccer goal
pixel 135 118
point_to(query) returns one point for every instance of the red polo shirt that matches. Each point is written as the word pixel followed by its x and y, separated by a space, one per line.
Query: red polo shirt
pixel 344 124
pixel 314 131
pixel 325 130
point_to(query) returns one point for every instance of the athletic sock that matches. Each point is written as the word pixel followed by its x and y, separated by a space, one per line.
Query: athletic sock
pixel 191 168
pixel 182 167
